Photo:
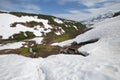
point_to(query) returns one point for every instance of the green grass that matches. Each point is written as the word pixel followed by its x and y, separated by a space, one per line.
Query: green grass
pixel 33 23
pixel 20 36
pixel 19 14
pixel 25 52
pixel 62 38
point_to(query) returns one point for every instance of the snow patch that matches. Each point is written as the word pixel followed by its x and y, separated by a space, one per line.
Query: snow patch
pixel 75 27
pixel 58 20
pixel 38 40
pixel 14 45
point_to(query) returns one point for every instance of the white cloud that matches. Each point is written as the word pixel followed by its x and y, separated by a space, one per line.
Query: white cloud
pixel 85 2
pixel 21 7
pixel 74 15
pixel 110 6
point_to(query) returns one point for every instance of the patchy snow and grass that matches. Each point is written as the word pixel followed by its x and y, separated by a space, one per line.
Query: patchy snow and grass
pixel 58 20
pixel 108 33
pixel 7 19
pixel 16 45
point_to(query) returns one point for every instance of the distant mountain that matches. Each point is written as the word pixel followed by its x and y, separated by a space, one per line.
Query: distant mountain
pixel 26 33
pixel 92 21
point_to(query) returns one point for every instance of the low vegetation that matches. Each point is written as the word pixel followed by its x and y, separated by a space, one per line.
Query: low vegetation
pixel 22 36
pixel 28 24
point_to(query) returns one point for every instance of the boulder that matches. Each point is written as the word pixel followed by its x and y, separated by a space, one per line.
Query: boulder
pixel 83 53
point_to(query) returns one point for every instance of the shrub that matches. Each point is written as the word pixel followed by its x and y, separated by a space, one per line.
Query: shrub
pixel 20 36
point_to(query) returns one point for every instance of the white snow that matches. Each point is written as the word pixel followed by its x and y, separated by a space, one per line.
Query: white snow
pixel 14 45
pixel 75 27
pixel 108 33
pixel 59 67
pixel 38 40
pixel 103 63
pixel 7 19
pixel 62 44
pixel 13 67
pixel 58 33
pixel 58 20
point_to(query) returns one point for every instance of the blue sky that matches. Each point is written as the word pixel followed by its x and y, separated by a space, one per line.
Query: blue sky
pixel 69 9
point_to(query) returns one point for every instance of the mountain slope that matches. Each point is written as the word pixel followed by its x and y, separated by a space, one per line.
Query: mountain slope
pixel 107 34
pixel 102 63
pixel 34 31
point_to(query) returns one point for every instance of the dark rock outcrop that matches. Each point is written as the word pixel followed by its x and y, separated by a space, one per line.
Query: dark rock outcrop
pixel 73 51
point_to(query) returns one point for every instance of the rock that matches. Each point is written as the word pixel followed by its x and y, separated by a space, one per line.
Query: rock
pixel 70 51
pixel 73 51
pixel 89 41
pixel 74 43
pixel 83 53
pixel 0 37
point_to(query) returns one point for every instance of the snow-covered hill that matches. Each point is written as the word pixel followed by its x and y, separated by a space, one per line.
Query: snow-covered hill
pixel 103 63
pixel 17 29
pixel 108 34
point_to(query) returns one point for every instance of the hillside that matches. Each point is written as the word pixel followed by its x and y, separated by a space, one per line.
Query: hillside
pixel 106 35
pixel 27 34
pixel 102 63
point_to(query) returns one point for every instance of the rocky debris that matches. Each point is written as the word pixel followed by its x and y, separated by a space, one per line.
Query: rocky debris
pixel 88 42
pixel 73 51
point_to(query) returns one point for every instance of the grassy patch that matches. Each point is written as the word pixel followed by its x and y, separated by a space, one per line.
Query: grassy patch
pixel 19 14
pixel 28 24
pixel 21 36
pixel 62 38
pixel 33 23
pixel 25 52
